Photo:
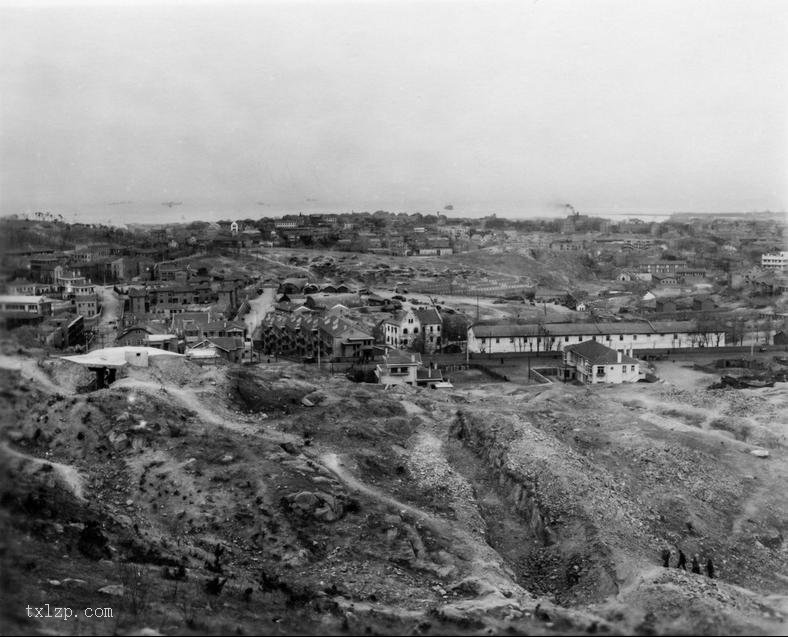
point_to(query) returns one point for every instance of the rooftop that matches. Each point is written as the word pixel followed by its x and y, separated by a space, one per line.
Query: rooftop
pixel 598 354
pixel 114 356
pixel 398 357
pixel 21 298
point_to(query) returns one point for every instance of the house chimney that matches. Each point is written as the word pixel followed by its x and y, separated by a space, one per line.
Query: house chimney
pixel 618 356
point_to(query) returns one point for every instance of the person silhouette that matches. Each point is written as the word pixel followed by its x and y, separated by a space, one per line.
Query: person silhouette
pixel 695 565
pixel 709 568
pixel 682 563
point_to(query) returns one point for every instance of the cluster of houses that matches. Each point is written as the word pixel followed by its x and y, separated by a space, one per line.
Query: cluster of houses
pixel 663 273
pixel 60 297
pixel 339 322
pixel 199 335
pixel 59 307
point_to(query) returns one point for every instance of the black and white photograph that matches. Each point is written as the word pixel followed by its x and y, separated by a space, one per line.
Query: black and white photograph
pixel 393 317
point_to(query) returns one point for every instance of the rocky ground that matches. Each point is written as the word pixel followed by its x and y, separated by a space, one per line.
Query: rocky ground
pixel 279 499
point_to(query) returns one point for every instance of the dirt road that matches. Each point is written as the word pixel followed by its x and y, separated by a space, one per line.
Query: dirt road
pixel 28 368
pixel 259 307
pixel 69 475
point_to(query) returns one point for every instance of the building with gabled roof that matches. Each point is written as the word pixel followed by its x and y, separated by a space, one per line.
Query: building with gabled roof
pixel 398 368
pixel 595 363
pixel 639 335
pixel 308 335
pixel 430 323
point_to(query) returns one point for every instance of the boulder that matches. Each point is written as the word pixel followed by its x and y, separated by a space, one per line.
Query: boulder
pixel 115 590
pixel 118 440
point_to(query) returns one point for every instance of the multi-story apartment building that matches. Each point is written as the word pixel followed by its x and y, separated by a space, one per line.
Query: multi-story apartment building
pixel 775 260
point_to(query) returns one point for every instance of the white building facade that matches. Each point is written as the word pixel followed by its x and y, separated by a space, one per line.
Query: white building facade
pixel 775 261
pixel 595 363
pixel 555 337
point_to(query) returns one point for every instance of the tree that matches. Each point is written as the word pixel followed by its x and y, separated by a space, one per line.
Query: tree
pixel 455 327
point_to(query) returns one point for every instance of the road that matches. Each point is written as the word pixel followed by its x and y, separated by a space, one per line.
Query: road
pixel 107 328
pixel 259 307
pixel 110 305
pixel 69 475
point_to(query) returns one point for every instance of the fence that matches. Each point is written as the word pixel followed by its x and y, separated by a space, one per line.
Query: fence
pixel 454 290
pixel 456 367
pixel 537 377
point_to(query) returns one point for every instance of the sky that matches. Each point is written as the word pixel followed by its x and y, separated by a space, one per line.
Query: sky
pixel 507 107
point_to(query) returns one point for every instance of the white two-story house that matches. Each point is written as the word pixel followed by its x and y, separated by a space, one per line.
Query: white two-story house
pixel 595 363
pixel 401 329
pixel 398 368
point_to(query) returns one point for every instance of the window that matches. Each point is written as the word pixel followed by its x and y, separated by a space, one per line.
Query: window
pixel 607 338
pixel 635 337
pixel 632 368
pixel 566 339
pixel 511 340
pixel 415 330
pixel 620 337
pixel 405 331
pixel 497 340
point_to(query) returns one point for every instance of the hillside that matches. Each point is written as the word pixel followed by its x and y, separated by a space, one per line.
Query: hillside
pixel 279 499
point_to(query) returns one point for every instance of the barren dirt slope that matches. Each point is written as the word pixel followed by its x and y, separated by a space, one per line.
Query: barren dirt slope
pixel 222 501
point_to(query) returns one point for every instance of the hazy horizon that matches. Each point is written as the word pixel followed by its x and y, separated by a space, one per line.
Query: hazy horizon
pixel 494 107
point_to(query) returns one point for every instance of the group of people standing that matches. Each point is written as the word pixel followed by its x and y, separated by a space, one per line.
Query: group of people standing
pixel 682 562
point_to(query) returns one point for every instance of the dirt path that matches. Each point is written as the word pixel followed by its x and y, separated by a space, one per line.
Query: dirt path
pixel 257 255
pixel 29 369
pixel 187 397
pixel 482 562
pixel 191 399
pixel 332 463
pixel 68 474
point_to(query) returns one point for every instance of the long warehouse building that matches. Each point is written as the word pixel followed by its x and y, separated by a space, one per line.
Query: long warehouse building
pixel 504 338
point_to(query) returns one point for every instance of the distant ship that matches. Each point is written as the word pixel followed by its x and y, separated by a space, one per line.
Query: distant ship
pixel 170 204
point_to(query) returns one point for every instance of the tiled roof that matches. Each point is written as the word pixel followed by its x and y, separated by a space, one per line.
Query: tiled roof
pixel 428 316
pixel 579 329
pixel 505 330
pixel 598 354
pixel 227 343
pixel 398 357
